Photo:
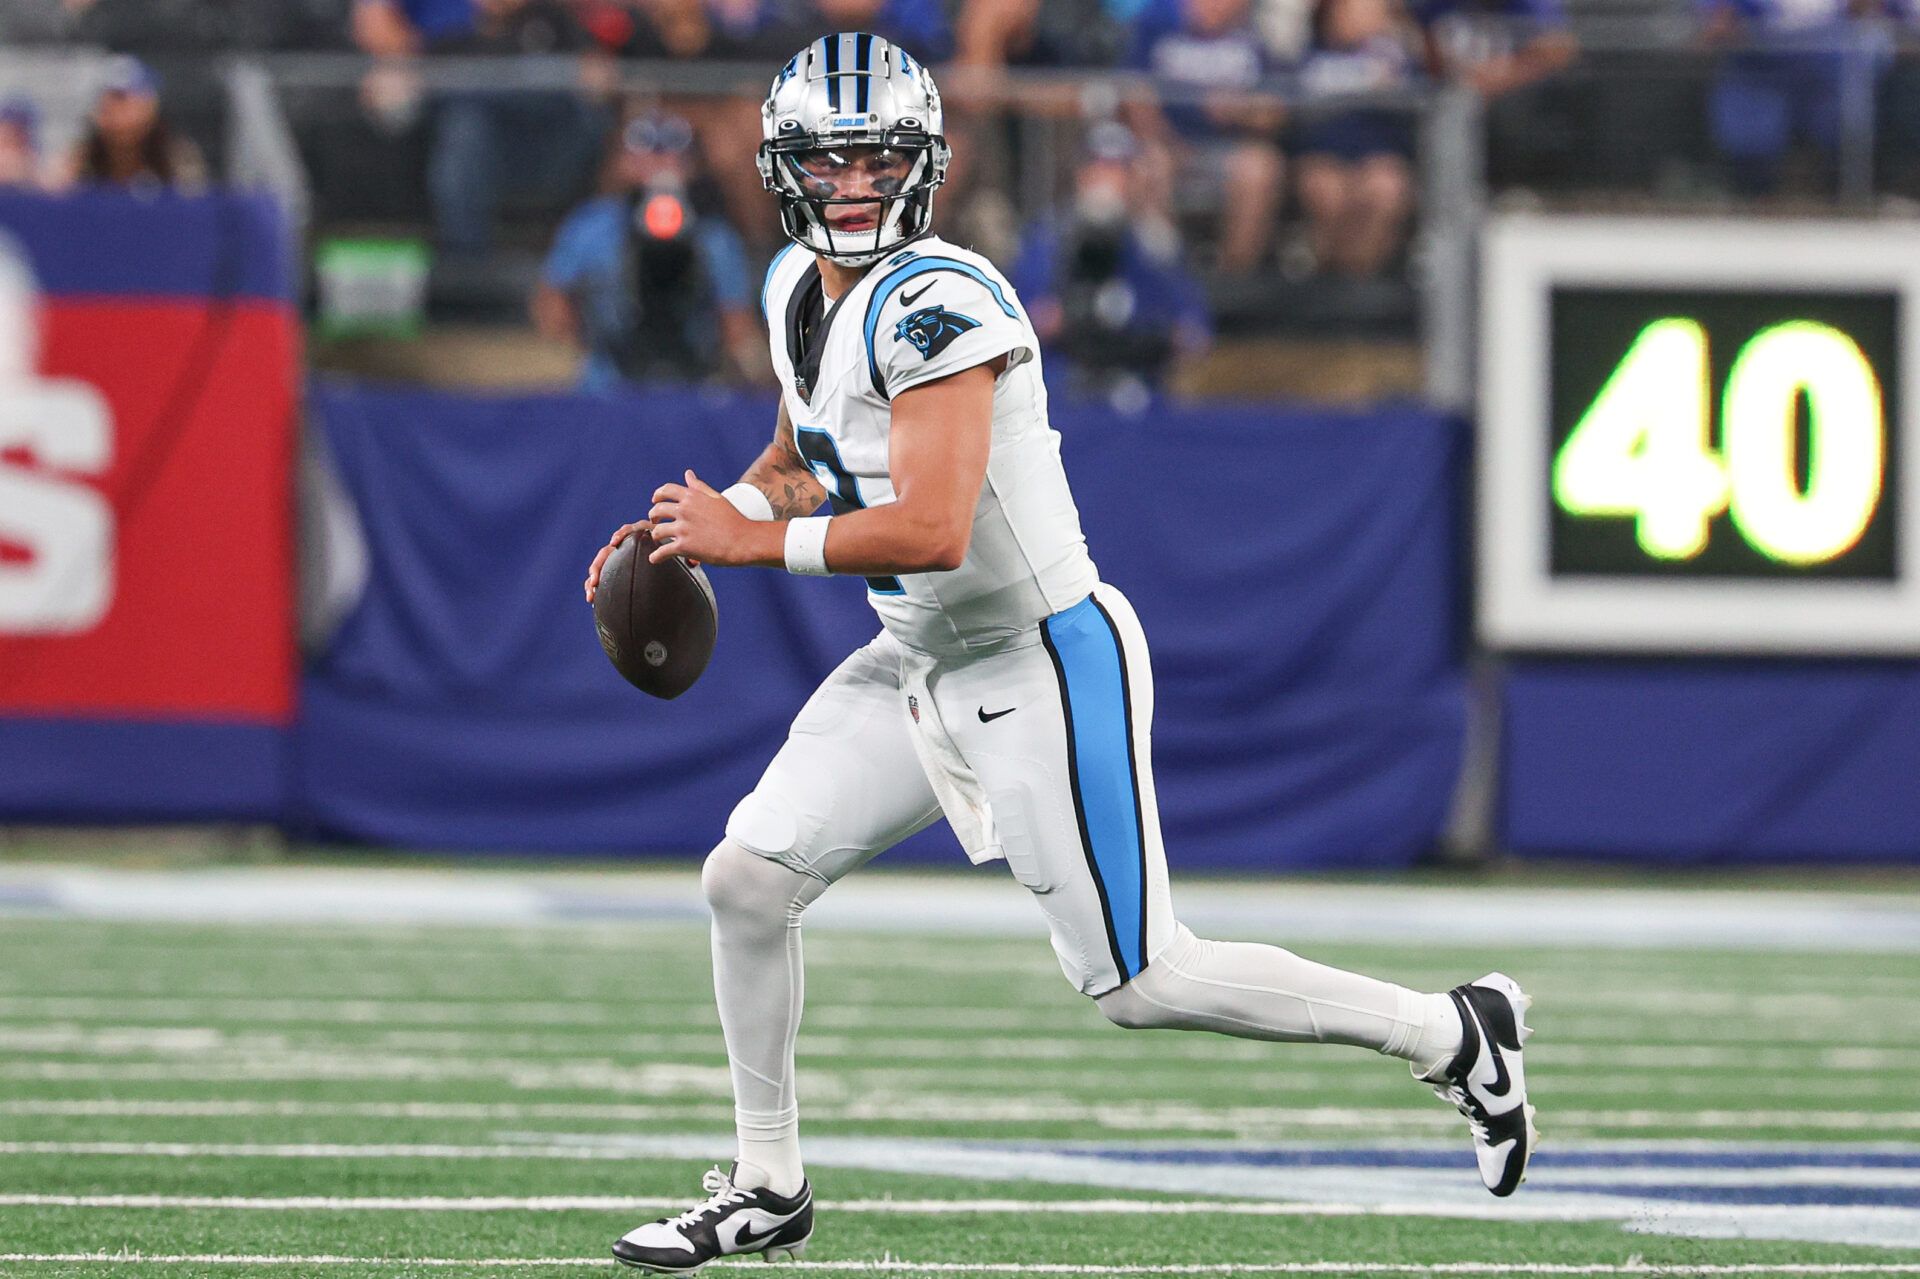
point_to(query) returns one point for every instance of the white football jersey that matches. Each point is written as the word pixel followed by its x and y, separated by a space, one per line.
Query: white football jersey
pixel 928 311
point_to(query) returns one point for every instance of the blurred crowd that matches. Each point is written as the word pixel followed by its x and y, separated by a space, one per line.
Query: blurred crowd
pixel 1231 140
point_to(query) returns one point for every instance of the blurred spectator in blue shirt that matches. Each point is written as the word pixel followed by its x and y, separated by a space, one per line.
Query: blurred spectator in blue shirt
pixel 1511 52
pixel 21 166
pixel 648 285
pixel 394 28
pixel 1044 33
pixel 485 138
pixel 1215 124
pixel 1355 167
pixel 1497 46
pixel 918 26
pixel 1783 78
pixel 1105 288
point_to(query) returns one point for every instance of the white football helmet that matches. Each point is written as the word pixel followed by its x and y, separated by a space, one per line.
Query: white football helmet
pixel 840 92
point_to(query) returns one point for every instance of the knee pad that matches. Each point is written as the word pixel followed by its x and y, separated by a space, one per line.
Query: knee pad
pixel 1148 1002
pixel 742 885
pixel 1127 1008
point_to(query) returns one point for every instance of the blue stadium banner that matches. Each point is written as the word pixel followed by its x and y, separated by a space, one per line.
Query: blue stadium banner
pixel 1700 762
pixel 1303 625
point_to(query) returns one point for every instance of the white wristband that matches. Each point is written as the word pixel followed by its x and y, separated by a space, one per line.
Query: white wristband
pixel 807 546
pixel 750 502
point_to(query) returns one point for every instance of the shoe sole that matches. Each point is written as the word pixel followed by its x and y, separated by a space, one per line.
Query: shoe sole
pixel 778 1252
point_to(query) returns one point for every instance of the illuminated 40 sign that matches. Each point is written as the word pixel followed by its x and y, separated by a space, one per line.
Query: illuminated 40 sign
pixel 1736 434
pixel 1693 436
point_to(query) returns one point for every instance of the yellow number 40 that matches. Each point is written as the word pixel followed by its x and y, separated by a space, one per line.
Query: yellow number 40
pixel 1644 448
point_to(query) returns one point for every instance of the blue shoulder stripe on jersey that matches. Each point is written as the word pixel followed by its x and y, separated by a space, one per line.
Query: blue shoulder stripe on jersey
pixel 919 266
pixel 766 285
pixel 832 55
pixel 862 54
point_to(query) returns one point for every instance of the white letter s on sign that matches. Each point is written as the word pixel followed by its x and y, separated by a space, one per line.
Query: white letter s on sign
pixel 66 584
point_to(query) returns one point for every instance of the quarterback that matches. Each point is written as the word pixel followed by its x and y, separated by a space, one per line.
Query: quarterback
pixel 1008 689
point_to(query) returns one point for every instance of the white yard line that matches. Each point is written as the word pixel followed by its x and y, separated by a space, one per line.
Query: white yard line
pixel 1477 1210
pixel 895 1265
pixel 979 1110
pixel 606 1203
pixel 575 1026
pixel 458 1050
pixel 984 904
pixel 309 1150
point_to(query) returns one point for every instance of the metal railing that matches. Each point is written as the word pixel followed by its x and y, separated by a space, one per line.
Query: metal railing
pixel 1039 113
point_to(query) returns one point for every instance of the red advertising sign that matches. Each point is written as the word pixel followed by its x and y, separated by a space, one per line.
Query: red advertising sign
pixel 146 443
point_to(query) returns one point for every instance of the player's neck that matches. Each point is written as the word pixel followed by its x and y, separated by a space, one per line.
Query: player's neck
pixel 836 279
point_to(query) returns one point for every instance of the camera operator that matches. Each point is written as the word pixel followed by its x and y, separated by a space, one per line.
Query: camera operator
pixel 1107 290
pixel 651 287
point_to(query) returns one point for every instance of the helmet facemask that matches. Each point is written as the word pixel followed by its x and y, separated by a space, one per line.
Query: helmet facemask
pixel 814 176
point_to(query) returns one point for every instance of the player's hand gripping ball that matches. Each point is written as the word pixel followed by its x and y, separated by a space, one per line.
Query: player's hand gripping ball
pixel 657 622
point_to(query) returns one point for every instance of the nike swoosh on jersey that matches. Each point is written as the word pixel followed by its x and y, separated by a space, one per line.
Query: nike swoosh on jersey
pixel 908 299
pixel 988 719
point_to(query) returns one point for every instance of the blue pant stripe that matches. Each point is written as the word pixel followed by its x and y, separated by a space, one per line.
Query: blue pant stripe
pixel 1085 648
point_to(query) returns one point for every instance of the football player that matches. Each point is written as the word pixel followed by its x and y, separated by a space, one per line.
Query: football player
pixel 1008 689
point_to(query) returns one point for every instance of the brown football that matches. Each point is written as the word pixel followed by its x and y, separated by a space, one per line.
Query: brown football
pixel 657 622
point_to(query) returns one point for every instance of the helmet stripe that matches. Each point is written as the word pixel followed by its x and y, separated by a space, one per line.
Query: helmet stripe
pixel 862 51
pixel 832 44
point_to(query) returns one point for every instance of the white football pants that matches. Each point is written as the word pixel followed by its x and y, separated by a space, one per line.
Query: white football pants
pixel 1056 733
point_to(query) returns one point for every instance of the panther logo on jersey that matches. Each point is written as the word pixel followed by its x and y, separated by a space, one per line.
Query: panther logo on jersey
pixel 932 329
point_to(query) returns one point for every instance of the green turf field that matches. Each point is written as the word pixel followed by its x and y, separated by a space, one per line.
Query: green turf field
pixel 352 1101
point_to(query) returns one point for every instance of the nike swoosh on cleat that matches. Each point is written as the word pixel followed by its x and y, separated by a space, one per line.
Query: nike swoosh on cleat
pixel 988 719
pixel 1502 1086
pixel 747 1239
pixel 908 299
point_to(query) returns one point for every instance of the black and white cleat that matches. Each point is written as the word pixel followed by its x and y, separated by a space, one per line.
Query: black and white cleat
pixel 1486 1081
pixel 731 1221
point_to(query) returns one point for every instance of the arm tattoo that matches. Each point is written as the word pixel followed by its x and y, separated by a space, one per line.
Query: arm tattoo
pixel 788 483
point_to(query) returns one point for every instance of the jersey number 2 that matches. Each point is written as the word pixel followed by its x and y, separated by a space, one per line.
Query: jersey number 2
pixel 843 491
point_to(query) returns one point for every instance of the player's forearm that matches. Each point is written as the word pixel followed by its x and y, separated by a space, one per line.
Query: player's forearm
pixel 884 541
pixel 789 487
pixel 880 541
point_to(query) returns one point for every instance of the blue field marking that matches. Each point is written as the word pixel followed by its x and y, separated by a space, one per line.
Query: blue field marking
pixel 1624 1157
pixel 1798 1194
pixel 24 899
pixel 1754 1193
